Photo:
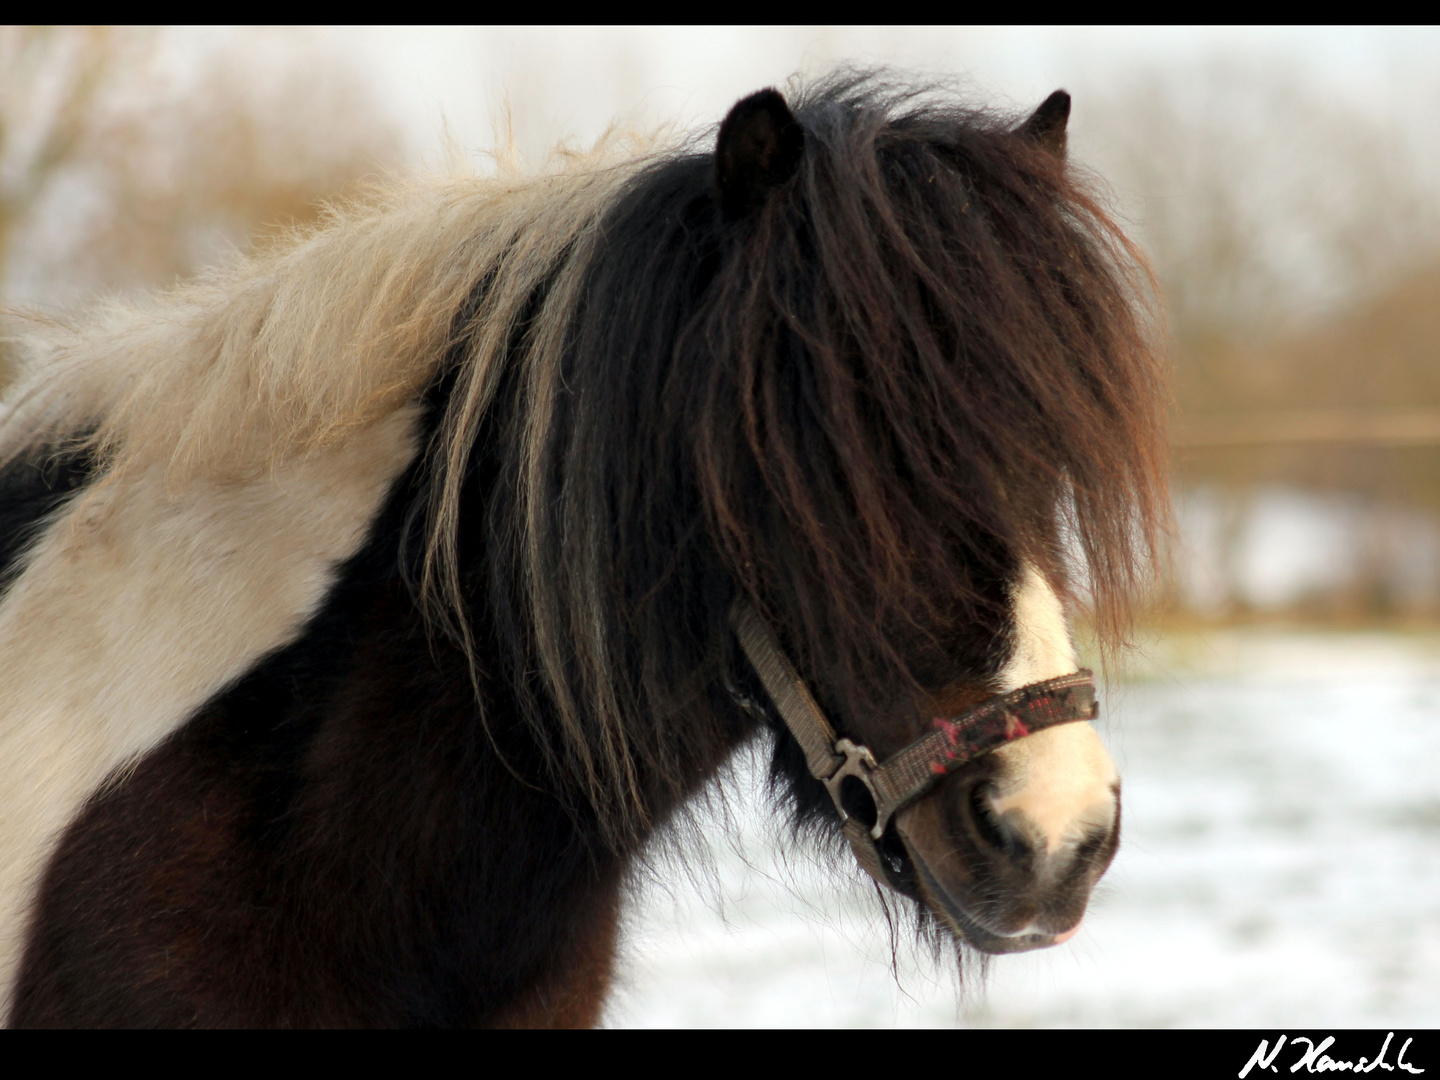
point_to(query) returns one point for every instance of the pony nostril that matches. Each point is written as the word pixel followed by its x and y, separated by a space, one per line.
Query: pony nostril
pixel 1088 850
pixel 982 819
pixel 1097 846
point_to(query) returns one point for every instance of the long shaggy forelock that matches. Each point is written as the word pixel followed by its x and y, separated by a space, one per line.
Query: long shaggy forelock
pixel 937 335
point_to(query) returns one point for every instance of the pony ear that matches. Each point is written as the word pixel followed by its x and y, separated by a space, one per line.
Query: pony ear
pixel 1046 125
pixel 758 149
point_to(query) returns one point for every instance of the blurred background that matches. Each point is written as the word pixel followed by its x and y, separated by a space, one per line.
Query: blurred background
pixel 1277 725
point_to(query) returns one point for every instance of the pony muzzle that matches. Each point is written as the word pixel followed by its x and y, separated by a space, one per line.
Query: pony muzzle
pixel 1002 881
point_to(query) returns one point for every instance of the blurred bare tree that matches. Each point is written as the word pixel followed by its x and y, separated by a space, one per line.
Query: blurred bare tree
pixel 1266 205
pixel 128 160
pixel 1297 240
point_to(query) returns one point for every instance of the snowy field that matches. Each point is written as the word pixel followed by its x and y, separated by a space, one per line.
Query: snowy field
pixel 1280 866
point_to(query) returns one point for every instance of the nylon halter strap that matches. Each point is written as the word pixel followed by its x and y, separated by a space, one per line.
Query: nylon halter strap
pixel 917 769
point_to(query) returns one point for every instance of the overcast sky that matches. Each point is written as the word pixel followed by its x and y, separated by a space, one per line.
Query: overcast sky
pixel 573 81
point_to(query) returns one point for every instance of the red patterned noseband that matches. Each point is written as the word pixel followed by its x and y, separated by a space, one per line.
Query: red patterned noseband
pixel 916 770
pixel 1007 717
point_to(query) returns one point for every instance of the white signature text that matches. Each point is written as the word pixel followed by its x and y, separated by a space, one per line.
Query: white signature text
pixel 1314 1059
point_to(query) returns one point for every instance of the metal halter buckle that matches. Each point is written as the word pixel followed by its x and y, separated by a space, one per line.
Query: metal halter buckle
pixel 860 763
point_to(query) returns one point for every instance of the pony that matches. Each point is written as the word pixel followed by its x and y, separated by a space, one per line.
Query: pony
pixel 371 604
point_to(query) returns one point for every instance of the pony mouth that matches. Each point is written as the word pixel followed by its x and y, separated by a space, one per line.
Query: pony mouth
pixel 971 932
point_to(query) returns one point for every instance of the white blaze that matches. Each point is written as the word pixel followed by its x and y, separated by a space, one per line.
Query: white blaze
pixel 1060 782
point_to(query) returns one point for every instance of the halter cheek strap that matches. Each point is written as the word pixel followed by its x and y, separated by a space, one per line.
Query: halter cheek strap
pixel 917 769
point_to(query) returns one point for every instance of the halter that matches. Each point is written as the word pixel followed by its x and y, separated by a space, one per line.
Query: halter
pixel 917 769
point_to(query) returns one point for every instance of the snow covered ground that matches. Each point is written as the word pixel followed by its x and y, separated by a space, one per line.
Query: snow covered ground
pixel 1280 867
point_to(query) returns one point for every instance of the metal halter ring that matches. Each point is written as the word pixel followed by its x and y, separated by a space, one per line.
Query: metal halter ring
pixel 860 763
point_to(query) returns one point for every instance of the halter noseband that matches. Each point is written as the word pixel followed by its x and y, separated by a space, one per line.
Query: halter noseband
pixel 917 769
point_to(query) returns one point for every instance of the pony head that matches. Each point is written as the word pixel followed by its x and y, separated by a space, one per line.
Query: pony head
pixel 880 366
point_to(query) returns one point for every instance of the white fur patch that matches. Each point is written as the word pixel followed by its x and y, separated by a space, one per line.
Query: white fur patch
pixel 138 604
pixel 1060 781
pixel 1043 649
